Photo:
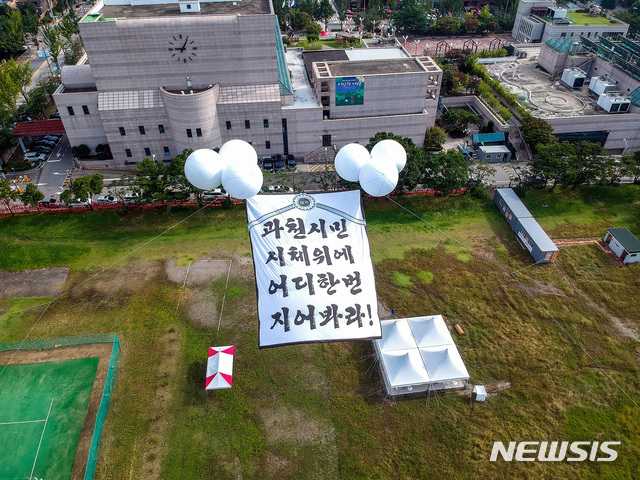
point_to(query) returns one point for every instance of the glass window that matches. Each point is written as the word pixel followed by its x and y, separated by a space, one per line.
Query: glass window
pixel 189 134
pixel 85 109
pixel 247 124
pixel 122 132
pixel 166 151
pixel 70 110
pixel 141 128
pixel 266 123
pixel 228 125
pixel 487 156
pixel 267 144
pixel 147 151
pixel 198 132
pixel 161 128
pixel 128 152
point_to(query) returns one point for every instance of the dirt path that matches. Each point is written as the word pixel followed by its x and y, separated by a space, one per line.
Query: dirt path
pixel 48 282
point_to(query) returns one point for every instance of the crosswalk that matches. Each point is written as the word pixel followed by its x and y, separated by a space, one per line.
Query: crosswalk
pixel 321 167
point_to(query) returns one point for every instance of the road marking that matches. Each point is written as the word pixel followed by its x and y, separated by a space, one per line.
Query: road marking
pixel 41 184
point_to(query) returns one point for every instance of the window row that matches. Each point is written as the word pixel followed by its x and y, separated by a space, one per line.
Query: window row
pixel 85 110
pixel 247 124
pixel 141 129
pixel 147 152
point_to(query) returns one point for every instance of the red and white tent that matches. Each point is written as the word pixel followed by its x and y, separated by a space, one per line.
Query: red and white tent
pixel 219 368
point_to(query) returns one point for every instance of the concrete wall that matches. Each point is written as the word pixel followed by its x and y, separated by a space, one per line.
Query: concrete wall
pixel 479 106
pixel 625 83
pixel 80 127
pixel 133 54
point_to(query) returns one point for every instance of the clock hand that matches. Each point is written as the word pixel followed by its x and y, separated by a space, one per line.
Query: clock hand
pixel 184 46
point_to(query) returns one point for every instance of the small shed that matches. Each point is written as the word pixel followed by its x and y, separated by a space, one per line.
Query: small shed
pixel 624 244
pixel 494 153
pixel 535 239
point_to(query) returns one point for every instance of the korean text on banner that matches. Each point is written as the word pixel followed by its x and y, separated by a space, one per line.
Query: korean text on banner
pixel 313 267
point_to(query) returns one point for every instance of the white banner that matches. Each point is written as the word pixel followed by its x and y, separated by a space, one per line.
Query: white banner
pixel 313 268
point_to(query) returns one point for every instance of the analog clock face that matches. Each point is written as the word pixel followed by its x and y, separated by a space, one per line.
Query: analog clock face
pixel 182 48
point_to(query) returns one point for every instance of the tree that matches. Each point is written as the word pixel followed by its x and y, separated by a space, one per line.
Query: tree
pixel 51 38
pixel 536 131
pixel 69 26
pixel 412 174
pixel 313 29
pixel 550 162
pixel 83 189
pixel 631 166
pixel 11 39
pixel 9 91
pixel 30 18
pixel 585 165
pixel 152 180
pixel 447 171
pixel 21 74
pixel 325 12
pixel 434 138
pixel 609 4
pixel 456 120
pixel 449 25
pixel 81 151
pixel 411 19
pixel 31 195
pixel 8 194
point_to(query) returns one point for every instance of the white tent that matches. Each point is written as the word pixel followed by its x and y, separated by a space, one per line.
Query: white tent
pixel 396 335
pixel 444 364
pixel 404 368
pixel 219 368
pixel 430 331
pixel 417 355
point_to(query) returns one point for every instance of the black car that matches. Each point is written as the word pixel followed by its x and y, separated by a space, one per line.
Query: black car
pixel 291 162
pixel 54 115
pixel 45 143
pixel 41 149
pixel 278 163
pixel 267 165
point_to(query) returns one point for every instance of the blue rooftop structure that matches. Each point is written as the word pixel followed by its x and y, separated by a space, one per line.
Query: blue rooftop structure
pixel 489 139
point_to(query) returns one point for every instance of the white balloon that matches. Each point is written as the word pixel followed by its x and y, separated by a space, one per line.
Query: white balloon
pixel 350 160
pixel 379 177
pixel 393 149
pixel 239 151
pixel 203 168
pixel 241 180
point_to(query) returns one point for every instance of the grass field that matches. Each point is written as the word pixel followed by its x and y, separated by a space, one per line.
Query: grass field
pixel 316 411
pixel 42 409
pixel 586 19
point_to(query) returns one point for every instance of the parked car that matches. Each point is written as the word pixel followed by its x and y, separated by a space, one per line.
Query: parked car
pixel 48 202
pixel 34 157
pixel 131 197
pixel 52 138
pixel 54 115
pixel 78 205
pixel 216 193
pixel 278 163
pixel 279 188
pixel 41 149
pixel 106 199
pixel 46 143
pixel 291 162
pixel 267 165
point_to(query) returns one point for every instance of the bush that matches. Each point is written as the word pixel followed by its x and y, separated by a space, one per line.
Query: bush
pixel 314 46
pixel 81 151
pixel 313 38
pixel 18 166
pixel 286 41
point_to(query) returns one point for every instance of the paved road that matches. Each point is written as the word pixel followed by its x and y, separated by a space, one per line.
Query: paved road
pixel 51 176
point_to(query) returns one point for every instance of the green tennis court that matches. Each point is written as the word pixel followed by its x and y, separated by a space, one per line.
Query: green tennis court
pixel 42 409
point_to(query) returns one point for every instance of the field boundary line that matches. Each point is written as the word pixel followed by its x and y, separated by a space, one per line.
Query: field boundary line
pixel 41 437
pixel 24 421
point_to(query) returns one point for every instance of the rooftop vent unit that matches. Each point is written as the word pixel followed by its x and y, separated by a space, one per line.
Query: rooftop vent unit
pixel 614 102
pixel 603 84
pixel 573 78
pixel 189 6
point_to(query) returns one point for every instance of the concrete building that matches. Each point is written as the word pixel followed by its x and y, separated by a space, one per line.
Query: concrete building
pixel 573 109
pixel 540 20
pixel 169 75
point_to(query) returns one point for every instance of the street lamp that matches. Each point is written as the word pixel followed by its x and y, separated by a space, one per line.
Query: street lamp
pixel 626 145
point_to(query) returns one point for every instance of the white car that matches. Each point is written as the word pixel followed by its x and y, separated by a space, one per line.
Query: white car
pixel 106 199
pixel 215 194
pixel 34 157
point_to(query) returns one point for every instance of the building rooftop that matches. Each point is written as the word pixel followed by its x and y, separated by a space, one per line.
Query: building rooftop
pixel 542 95
pixel 588 19
pixel 626 238
pixel 374 67
pixel 238 7
pixel 303 94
